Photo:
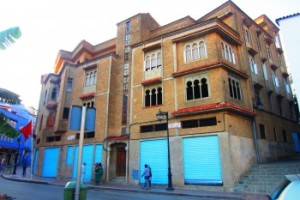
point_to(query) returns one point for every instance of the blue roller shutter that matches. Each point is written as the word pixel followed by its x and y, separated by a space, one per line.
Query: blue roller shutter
pixel 98 153
pixel 50 162
pixel 90 119
pixel 75 119
pixel 155 154
pixel 202 163
pixel 69 157
pixel 87 156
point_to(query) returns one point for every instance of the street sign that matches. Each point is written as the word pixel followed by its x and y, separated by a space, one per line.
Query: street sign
pixel 175 125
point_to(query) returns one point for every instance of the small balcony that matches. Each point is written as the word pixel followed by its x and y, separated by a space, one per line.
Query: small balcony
pixel 154 73
pixel 257 81
pixel 89 89
pixel 269 87
pixel 61 126
pixel 251 49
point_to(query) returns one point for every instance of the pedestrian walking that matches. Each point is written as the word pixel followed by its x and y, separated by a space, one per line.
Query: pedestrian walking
pixel 146 175
pixel 150 178
pixel 83 171
pixel 98 173
pixel 25 164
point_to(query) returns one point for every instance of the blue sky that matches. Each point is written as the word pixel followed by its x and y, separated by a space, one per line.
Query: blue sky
pixel 48 26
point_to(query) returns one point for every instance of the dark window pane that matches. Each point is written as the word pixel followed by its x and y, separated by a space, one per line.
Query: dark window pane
pixel 147 98
pixel 159 96
pixel 204 88
pixel 189 90
pixel 197 89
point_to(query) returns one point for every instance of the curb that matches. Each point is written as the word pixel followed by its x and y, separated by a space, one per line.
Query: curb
pixel 153 191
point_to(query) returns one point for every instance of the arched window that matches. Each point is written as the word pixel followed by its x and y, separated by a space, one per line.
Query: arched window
pixel 227 52
pixel 204 87
pixel 202 50
pixel 188 53
pixel 147 98
pixel 147 63
pixel 159 96
pixel 247 35
pixel 153 97
pixel 197 88
pixel 95 78
pixel 91 79
pixel 234 88
pixel 195 51
pixel 158 59
pixel 189 90
pixel 87 80
pixel 153 61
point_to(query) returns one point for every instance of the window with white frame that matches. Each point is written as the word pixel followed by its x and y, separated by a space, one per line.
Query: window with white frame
pixel 197 87
pixel 153 96
pixel 69 84
pixel 247 36
pixel 269 54
pixel 265 71
pixel 275 78
pixel 277 42
pixel 227 52
pixel 90 78
pixel 152 60
pixel 234 88
pixel 286 85
pixel 253 65
pixel 195 50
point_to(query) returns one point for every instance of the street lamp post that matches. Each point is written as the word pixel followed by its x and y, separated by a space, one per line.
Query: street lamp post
pixel 161 116
pixel 16 158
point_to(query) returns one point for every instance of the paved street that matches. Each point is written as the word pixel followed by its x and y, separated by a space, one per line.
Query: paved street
pixel 26 191
pixel 29 186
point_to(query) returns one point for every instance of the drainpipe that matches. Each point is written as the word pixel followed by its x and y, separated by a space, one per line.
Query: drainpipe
pixel 256 146
pixel 106 125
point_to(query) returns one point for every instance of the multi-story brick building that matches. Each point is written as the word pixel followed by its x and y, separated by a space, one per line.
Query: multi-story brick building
pixel 221 78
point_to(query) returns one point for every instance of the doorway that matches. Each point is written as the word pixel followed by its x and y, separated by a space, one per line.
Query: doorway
pixel 121 161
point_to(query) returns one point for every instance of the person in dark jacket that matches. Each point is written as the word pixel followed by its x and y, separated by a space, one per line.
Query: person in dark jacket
pixel 98 173
pixel 25 160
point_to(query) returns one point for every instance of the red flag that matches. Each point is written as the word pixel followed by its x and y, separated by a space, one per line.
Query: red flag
pixel 27 130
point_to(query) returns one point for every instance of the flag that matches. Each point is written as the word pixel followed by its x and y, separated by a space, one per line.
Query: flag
pixel 27 130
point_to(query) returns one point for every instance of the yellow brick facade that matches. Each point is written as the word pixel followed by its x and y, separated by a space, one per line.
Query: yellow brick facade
pixel 123 112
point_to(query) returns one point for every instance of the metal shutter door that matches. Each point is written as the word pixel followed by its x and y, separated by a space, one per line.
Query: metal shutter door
pixel 50 162
pixel 202 164
pixel 90 119
pixel 75 119
pixel 87 156
pixel 155 154
pixel 98 153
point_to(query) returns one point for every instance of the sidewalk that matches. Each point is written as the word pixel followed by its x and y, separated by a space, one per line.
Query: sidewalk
pixel 134 188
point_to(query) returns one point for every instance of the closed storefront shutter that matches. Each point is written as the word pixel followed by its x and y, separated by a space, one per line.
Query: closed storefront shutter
pixel 87 156
pixel 50 162
pixel 155 154
pixel 202 164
